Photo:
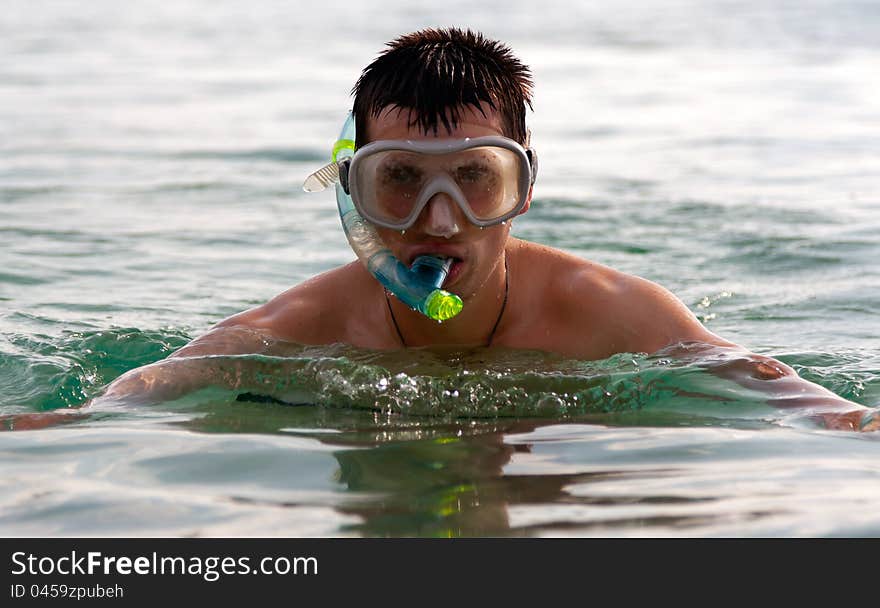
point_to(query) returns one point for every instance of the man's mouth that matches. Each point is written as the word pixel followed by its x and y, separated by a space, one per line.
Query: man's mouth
pixel 455 270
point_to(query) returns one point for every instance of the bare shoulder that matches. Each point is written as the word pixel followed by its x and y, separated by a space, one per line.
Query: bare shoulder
pixel 566 282
pixel 313 312
pixel 652 317
pixel 600 311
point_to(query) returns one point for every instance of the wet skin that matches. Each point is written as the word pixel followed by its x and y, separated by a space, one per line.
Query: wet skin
pixel 557 303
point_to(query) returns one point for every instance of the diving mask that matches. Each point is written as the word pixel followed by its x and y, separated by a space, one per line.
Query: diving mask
pixel 391 181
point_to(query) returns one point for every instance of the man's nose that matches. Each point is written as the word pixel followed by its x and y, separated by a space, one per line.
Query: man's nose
pixel 442 217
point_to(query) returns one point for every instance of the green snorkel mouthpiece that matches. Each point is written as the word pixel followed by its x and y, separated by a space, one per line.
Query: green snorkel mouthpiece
pixel 441 305
pixel 418 287
pixel 438 304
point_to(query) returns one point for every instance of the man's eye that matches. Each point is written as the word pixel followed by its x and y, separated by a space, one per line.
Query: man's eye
pixel 402 175
pixel 471 173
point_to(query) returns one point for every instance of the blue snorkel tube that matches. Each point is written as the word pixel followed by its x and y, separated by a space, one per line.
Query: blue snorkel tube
pixel 417 287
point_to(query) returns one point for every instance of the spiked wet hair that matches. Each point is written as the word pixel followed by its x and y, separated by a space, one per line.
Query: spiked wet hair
pixel 434 72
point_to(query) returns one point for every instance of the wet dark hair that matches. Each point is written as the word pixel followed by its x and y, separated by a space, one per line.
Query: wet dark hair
pixel 435 72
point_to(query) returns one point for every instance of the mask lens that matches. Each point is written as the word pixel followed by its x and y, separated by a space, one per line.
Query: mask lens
pixel 390 183
pixel 488 177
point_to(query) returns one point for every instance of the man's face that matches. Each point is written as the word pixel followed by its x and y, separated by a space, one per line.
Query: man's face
pixel 441 228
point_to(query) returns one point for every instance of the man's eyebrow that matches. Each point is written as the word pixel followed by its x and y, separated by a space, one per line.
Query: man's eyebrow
pixel 396 160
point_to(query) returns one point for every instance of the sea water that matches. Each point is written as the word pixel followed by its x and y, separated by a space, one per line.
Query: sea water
pixel 151 163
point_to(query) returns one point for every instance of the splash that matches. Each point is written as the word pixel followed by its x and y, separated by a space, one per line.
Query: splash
pixel 672 387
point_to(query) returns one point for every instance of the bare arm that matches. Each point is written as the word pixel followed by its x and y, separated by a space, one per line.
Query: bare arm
pixel 675 330
pixel 780 384
pixel 189 368
pixel 302 315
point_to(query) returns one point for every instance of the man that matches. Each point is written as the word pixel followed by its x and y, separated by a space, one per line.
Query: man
pixel 430 92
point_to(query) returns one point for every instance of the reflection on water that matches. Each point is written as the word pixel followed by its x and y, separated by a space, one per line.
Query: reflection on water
pixel 419 478
pixel 339 441
pixel 445 486
pixel 211 464
pixel 456 486
pixel 411 476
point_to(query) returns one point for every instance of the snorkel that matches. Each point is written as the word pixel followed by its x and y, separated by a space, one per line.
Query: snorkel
pixel 419 287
